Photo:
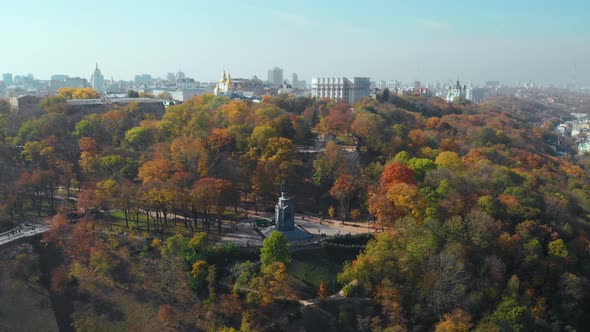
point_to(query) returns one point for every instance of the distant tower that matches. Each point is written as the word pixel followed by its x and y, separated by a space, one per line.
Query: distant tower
pixel 285 211
pixel 225 87
pixel 7 78
pixel 574 84
pixel 275 76
pixel 295 81
pixel 97 80
pixel 180 75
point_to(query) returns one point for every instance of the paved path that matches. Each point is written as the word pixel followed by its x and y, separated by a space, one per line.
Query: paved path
pixel 22 231
pixel 244 235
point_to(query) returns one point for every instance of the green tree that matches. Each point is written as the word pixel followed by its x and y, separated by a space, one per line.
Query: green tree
pixel 137 137
pixel 510 315
pixel 420 166
pixel 275 248
pixel 132 94
pixel 557 248
pixel 26 270
pixel 101 263
pixel 261 135
pixel 449 159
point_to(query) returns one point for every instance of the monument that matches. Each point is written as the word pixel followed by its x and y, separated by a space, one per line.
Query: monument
pixel 285 211
pixel 285 219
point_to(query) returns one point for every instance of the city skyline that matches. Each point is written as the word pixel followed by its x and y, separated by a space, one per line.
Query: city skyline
pixel 388 40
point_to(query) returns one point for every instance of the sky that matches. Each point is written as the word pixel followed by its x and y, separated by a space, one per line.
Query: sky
pixel 545 41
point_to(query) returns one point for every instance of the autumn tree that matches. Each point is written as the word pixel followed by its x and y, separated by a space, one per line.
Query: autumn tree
pixel 101 263
pixel 189 155
pixel 115 122
pixel 327 165
pixel 322 291
pixel 271 284
pixel 212 194
pixel 223 195
pixel 158 198
pixel 407 199
pixel 396 195
pixel 344 190
pixel 277 162
pixel 157 170
pixel 167 316
pixel 78 93
pixel 455 321
pixel 366 127
pixel 338 120
pixel 89 159
pixel 389 297
pixel 449 159
pixel 106 195
pixel 396 173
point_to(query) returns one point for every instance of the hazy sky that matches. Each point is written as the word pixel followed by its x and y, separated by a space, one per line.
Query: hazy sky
pixel 507 40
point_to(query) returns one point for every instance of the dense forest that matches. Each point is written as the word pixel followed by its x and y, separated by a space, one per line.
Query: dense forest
pixel 481 224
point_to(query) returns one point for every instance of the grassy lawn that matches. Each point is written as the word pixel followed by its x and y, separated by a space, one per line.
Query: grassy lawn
pixel 312 267
pixel 345 139
pixel 118 222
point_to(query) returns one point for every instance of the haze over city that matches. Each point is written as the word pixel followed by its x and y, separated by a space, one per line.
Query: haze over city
pixel 541 41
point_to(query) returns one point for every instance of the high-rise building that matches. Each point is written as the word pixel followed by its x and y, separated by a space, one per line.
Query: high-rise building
pixel 62 81
pixel 59 77
pixel 295 81
pixel 275 76
pixel 7 78
pixel 170 77
pixel 76 82
pixel 180 75
pixel 476 95
pixel 341 88
pixel 97 80
pixel 143 78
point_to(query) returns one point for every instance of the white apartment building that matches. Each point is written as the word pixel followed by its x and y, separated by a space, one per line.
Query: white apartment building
pixel 341 88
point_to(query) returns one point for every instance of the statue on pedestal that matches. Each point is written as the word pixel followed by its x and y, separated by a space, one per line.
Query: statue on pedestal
pixel 285 211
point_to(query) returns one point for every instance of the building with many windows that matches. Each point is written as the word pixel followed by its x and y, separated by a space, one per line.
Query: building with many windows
pixel 97 80
pixel 275 76
pixel 7 78
pixel 341 88
pixel 64 81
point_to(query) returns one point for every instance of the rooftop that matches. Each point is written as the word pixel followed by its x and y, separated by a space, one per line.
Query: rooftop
pixel 104 101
